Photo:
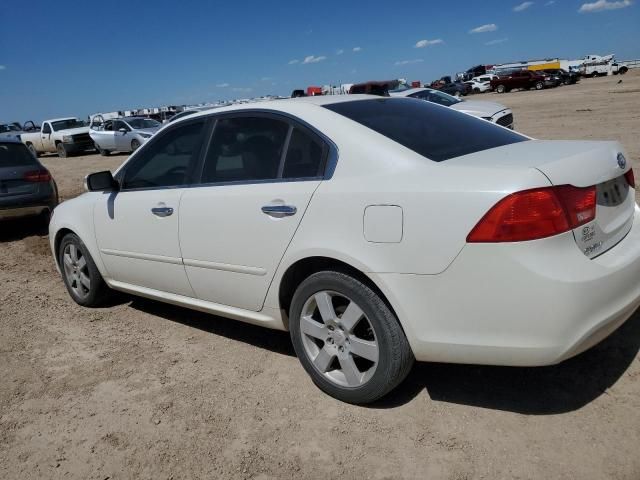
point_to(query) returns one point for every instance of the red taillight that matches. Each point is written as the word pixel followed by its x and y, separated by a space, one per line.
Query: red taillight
pixel 537 213
pixel 37 176
pixel 630 178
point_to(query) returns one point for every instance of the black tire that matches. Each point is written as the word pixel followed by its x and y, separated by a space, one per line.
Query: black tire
pixel 62 151
pixel 476 90
pixel 501 88
pixel 98 291
pixel 623 70
pixel 101 151
pixel 395 357
pixel 539 85
pixel 135 144
pixel 33 150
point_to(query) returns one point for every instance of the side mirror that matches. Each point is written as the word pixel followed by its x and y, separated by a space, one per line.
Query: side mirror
pixel 122 130
pixel 101 182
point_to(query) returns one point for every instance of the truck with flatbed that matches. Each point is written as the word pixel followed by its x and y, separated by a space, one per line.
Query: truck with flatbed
pixel 64 136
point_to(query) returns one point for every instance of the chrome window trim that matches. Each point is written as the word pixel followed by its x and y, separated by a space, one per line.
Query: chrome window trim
pixel 210 121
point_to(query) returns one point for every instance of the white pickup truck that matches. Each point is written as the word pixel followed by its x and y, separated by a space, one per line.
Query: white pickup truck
pixel 596 65
pixel 63 136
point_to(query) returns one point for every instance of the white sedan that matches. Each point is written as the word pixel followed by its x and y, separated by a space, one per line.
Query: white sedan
pixel 478 86
pixel 376 230
pixel 491 111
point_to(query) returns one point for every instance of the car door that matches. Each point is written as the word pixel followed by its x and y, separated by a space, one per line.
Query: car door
pixel 258 176
pixel 46 145
pixel 104 136
pixel 122 136
pixel 137 227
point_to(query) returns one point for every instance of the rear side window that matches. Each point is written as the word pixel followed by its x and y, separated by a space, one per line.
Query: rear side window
pixel 435 132
pixel 305 156
pixel 15 155
pixel 245 149
pixel 166 162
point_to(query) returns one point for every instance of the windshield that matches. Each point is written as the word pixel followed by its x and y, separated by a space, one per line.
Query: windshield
pixel 139 123
pixel 66 124
pixel 435 96
pixel 8 128
pixel 429 130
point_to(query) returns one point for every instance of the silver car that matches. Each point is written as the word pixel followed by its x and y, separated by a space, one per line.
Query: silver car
pixel 121 134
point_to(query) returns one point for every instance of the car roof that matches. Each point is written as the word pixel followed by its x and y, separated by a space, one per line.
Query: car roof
pixel 283 104
pixel 61 119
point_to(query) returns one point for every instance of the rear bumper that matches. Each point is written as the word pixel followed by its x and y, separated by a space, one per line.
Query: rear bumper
pixel 29 204
pixel 18 212
pixel 522 304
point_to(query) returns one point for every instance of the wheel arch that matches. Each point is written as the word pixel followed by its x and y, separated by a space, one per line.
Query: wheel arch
pixel 301 269
pixel 60 234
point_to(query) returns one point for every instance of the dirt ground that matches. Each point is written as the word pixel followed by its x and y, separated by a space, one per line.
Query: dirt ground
pixel 146 390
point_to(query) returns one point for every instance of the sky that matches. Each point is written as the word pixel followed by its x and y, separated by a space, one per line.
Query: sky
pixel 68 58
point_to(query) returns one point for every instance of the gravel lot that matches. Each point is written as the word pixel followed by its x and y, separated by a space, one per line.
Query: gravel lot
pixel 146 390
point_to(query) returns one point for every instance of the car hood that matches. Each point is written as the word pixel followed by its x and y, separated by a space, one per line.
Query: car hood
pixel 74 131
pixel 479 108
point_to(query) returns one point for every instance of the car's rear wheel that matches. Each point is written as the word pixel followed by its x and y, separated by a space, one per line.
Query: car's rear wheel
pixel 476 90
pixel 500 89
pixel 135 144
pixel 539 85
pixel 347 338
pixel 62 151
pixel 80 274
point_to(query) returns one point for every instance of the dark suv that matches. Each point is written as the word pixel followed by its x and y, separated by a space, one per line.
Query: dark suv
pixel 524 79
pixel 26 186
pixel 567 78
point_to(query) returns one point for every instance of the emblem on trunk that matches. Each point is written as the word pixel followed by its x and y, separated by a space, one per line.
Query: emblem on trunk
pixel 622 162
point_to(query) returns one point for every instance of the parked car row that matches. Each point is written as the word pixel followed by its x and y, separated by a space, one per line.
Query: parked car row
pixel 529 79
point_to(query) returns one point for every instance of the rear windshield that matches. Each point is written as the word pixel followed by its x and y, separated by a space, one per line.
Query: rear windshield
pixel 435 132
pixel 15 155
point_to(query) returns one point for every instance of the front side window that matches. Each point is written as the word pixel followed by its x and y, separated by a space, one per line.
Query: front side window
pixel 435 133
pixel 119 124
pixel 166 161
pixel 46 128
pixel 245 149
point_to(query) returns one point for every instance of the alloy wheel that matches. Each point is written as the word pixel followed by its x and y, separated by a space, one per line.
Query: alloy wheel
pixel 339 339
pixel 76 271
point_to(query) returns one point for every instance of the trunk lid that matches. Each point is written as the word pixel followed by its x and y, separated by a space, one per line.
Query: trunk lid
pixel 13 183
pixel 581 164
pixel 15 163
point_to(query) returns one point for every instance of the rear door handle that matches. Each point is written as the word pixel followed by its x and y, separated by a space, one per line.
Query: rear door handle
pixel 162 211
pixel 279 211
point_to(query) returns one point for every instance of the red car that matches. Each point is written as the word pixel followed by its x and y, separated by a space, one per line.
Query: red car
pixel 524 79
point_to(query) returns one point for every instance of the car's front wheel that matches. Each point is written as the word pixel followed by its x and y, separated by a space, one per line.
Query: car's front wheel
pixel 539 85
pixel 500 89
pixel 80 274
pixel 347 338
pixel 62 150
pixel 135 144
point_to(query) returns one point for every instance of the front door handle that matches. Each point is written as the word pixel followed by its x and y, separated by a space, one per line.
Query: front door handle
pixel 279 211
pixel 162 211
